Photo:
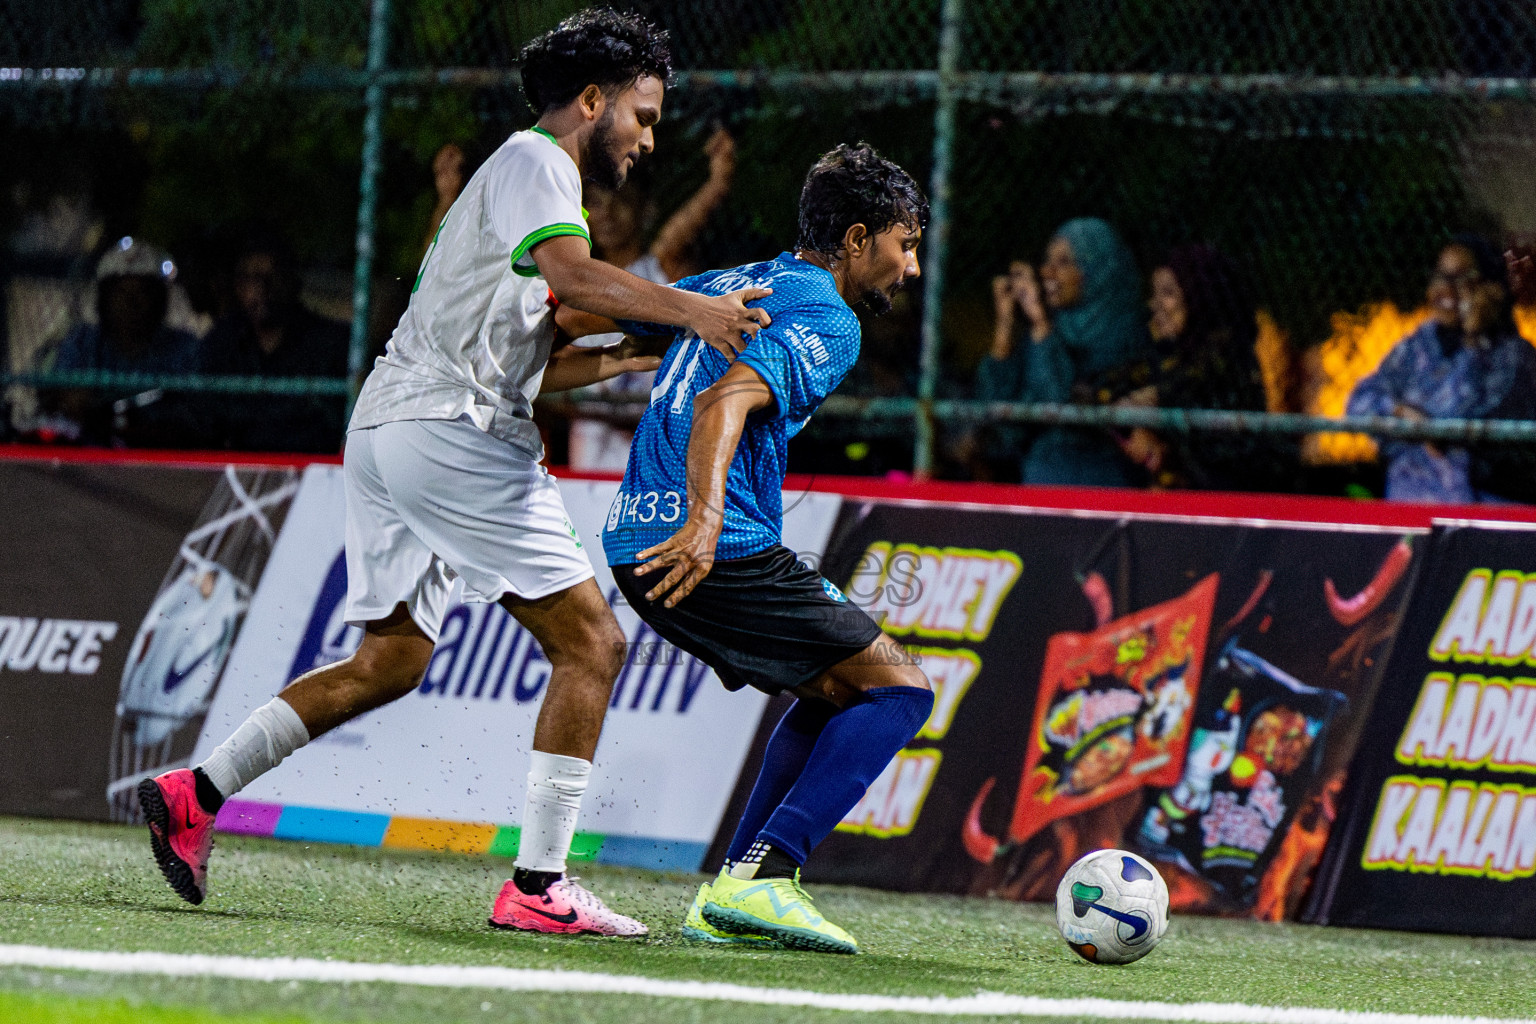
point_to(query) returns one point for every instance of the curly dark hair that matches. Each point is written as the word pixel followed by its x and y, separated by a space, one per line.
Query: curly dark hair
pixel 856 185
pixel 598 46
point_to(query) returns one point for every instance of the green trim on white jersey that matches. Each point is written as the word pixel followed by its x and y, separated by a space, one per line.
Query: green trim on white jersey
pixel 544 234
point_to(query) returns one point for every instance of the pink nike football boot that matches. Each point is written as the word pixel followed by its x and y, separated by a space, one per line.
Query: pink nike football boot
pixel 565 909
pixel 180 832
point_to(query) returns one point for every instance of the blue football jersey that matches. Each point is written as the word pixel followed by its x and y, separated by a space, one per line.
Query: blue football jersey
pixel 811 345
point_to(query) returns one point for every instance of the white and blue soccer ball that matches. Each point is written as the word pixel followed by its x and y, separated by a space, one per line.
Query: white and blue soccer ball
pixel 1112 907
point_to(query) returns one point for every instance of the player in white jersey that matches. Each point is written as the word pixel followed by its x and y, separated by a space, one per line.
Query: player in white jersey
pixel 442 470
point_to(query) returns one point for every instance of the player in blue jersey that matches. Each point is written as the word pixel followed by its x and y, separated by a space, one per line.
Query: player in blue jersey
pixel 694 542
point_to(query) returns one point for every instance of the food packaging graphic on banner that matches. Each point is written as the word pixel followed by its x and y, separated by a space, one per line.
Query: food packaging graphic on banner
pixel 1113 710
pixel 1440 818
pixel 1192 689
pixel 1264 740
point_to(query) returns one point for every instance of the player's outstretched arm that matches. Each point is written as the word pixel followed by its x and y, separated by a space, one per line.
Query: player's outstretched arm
pixel 573 367
pixel 723 321
pixel 719 413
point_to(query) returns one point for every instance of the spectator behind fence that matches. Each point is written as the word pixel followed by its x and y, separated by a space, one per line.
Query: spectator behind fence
pixel 130 336
pixel 617 221
pixel 270 333
pixel 1204 327
pixel 1089 325
pixel 1467 361
pixel 447 181
pixel 1521 262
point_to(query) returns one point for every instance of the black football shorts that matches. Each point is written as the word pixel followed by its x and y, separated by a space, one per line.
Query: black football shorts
pixel 767 621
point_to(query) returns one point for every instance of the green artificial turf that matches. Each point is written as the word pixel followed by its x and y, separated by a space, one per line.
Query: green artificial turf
pixel 96 887
pixel 38 1008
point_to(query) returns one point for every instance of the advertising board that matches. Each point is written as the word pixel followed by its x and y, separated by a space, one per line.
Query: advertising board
pixel 1439 818
pixel 1190 688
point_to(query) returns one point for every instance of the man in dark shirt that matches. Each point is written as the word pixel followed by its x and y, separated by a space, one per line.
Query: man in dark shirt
pixel 131 335
pixel 271 334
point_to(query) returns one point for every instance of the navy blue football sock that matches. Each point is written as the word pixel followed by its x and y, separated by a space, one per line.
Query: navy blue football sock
pixel 853 750
pixel 784 759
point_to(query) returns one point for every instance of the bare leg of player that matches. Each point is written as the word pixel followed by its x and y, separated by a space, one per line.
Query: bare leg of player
pixel 585 648
pixel 388 664
pixel 180 806
pixel 584 645
pixel 883 663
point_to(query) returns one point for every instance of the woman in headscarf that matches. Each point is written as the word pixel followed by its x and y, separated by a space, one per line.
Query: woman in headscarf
pixel 1204 326
pixel 1084 324
pixel 1467 361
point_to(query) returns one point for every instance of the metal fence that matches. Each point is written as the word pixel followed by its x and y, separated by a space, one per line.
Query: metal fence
pixel 1329 146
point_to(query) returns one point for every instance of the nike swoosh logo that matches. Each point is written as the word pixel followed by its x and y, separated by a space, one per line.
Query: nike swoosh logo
pixel 173 678
pixel 1138 926
pixel 569 917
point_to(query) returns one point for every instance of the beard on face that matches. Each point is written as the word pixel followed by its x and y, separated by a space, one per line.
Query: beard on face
pixel 597 160
pixel 876 301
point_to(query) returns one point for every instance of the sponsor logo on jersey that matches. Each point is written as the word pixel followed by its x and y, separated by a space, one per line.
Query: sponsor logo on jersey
pixel 735 280
pixel 802 334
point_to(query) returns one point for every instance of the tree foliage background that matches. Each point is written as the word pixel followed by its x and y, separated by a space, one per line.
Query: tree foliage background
pixel 1329 200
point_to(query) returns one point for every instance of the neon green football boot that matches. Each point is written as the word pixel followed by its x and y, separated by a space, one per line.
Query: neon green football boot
pixel 774 907
pixel 696 929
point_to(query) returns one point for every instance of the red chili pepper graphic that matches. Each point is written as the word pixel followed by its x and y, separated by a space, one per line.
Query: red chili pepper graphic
pixel 1266 577
pixel 1096 590
pixel 978 844
pixel 1350 611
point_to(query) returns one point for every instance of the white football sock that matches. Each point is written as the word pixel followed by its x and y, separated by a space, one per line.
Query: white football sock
pixel 555 787
pixel 273 731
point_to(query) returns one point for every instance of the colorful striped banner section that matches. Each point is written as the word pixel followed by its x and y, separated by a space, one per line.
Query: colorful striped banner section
pixel 362 828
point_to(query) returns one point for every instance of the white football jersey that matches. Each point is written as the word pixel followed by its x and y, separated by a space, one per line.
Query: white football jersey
pixel 478 331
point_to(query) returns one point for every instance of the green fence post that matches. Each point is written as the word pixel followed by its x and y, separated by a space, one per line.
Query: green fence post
pixel 368 192
pixel 936 239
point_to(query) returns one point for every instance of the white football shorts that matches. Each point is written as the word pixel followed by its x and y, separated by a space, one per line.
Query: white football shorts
pixel 429 501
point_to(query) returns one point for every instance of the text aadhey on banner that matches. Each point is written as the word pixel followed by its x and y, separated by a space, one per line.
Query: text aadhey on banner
pixel 1440 821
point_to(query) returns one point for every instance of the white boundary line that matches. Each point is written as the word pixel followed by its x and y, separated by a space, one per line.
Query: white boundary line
pixel 510 979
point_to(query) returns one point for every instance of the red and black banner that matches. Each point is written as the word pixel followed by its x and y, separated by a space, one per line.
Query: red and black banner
pixel 1439 824
pixel 1190 689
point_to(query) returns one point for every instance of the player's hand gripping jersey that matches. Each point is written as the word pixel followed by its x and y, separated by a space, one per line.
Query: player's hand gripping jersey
pixel 477 334
pixel 802 357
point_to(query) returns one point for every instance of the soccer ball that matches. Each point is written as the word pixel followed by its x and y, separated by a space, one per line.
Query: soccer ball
pixel 1112 907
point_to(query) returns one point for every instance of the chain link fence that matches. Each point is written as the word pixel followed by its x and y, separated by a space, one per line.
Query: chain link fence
pixel 1330 149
